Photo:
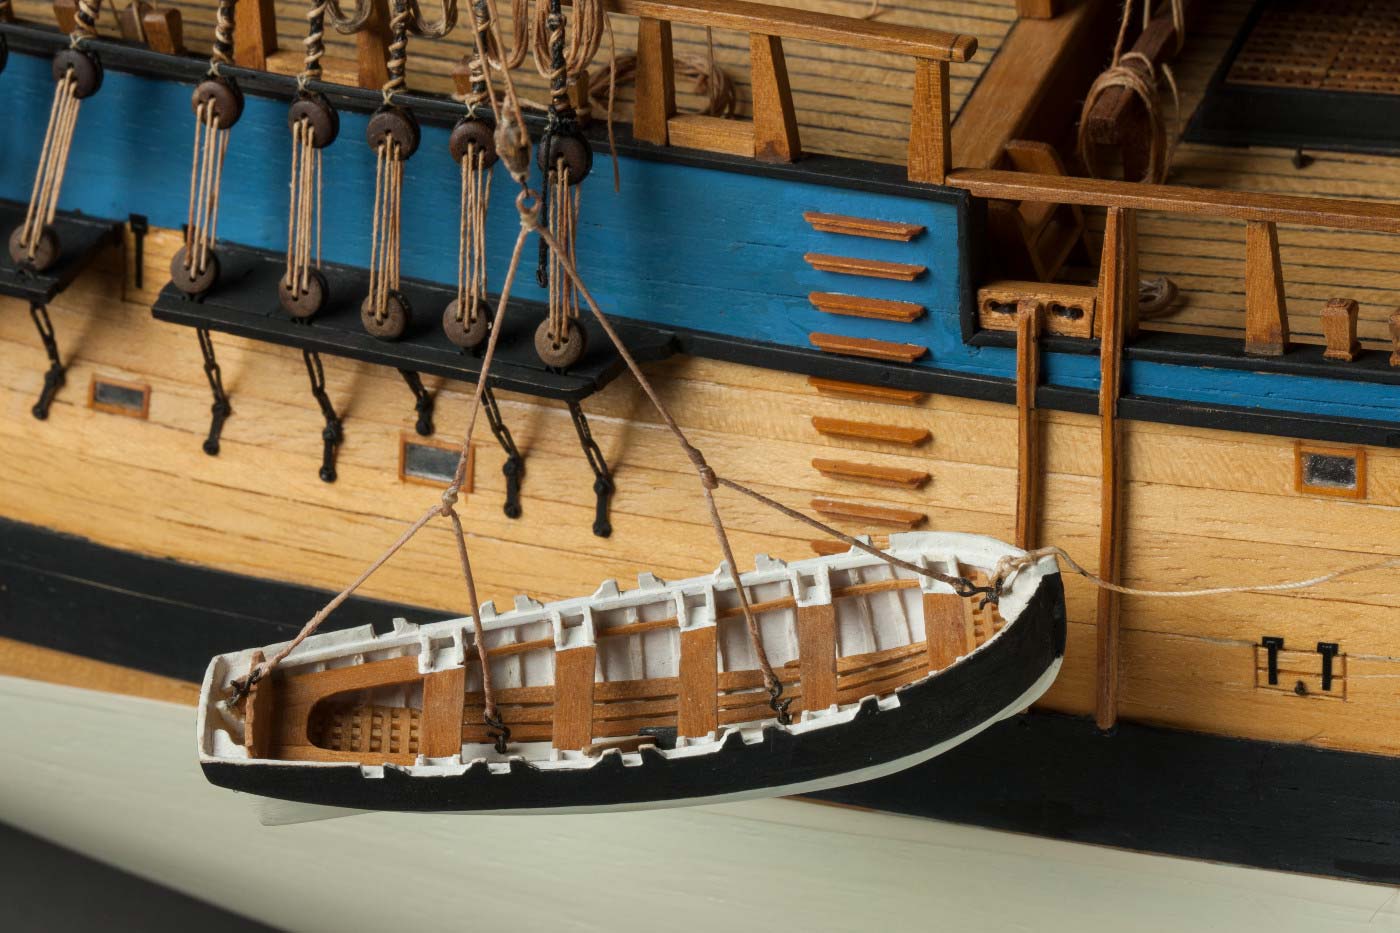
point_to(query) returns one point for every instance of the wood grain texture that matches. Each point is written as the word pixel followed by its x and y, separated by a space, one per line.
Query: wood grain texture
pixel 444 697
pixel 862 226
pixel 254 34
pixel 1265 307
pixel 713 134
pixel 1339 329
pixel 882 309
pixel 816 652
pixel 775 136
pixel 697 710
pixel 860 512
pixel 930 137
pixel 871 473
pixel 945 626
pixel 836 388
pixel 865 430
pixel 1028 317
pixel 871 268
pixel 656 81
pixel 573 697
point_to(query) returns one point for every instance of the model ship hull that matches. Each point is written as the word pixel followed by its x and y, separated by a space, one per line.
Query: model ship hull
pixel 379 757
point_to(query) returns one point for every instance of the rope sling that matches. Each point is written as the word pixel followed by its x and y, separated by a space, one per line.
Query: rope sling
pixel 77 72
pixel 513 149
pixel 218 103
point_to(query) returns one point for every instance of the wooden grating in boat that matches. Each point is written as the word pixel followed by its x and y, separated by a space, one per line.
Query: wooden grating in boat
pixel 1342 45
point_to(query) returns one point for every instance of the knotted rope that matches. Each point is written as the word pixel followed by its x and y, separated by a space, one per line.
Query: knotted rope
pixel 1138 74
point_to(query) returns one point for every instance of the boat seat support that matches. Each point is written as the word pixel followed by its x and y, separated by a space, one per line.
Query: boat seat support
pixel 603 487
pixel 54 378
pixel 221 409
pixel 333 433
pixel 422 402
pixel 514 469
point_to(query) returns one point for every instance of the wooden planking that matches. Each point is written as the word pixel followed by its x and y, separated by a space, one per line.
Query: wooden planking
pixel 573 697
pixel 871 473
pixel 444 698
pixel 836 388
pixel 869 431
pixel 905 519
pixel 946 629
pixel 713 134
pixel 882 309
pixel 697 712
pixel 869 268
pixel 816 651
pixel 862 226
pixel 867 348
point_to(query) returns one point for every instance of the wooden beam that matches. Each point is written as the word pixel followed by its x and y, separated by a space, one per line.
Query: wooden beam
pixel 1118 286
pixel 1373 216
pixel 372 48
pixel 774 121
pixel 1339 327
pixel 945 629
pixel 788 23
pixel 444 699
pixel 816 655
pixel 930 141
pixel 697 712
pixel 1265 307
pixel 254 34
pixel 1035 9
pixel 656 82
pixel 573 697
pixel 1028 317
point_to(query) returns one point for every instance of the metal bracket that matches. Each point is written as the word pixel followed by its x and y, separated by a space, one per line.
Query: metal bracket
pixel 1328 650
pixel 514 468
pixel 333 433
pixel 422 402
pixel 1273 644
pixel 603 486
pixel 55 377
pixel 140 226
pixel 221 409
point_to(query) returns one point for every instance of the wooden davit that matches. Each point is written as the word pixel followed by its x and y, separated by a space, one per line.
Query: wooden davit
pixel 648 697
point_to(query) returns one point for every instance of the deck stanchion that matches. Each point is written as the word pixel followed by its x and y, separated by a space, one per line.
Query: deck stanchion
pixel 1028 315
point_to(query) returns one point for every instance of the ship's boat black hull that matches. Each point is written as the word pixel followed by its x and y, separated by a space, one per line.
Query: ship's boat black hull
pixel 996 681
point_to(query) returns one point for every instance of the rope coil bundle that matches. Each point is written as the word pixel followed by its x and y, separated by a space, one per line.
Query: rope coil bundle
pixel 217 103
pixel 77 75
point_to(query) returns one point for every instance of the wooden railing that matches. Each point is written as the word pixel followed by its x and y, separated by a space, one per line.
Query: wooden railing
pixel 773 134
pixel 1266 311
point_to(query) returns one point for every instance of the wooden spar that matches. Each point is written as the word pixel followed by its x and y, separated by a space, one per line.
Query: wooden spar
pixel 1372 216
pixel 1028 316
pixel 1118 286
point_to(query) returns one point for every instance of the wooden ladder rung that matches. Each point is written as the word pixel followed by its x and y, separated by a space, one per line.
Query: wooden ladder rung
pixel 862 226
pixel 871 268
pixel 856 306
pixel 871 473
pixel 868 348
pixel 836 388
pixel 877 514
pixel 870 431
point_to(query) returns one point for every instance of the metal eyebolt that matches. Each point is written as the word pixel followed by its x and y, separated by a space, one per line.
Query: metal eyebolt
pixel 779 705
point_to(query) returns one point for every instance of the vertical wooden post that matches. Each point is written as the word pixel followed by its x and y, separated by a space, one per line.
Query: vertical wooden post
pixel 774 121
pixel 444 697
pixel 372 45
pixel 1117 289
pixel 254 34
pixel 1028 315
pixel 945 629
pixel 656 81
pixel 1265 308
pixel 697 712
pixel 816 654
pixel 258 722
pixel 573 697
pixel 930 142
pixel 1339 327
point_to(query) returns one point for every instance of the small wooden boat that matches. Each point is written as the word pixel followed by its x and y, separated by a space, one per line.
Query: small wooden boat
pixel 648 697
